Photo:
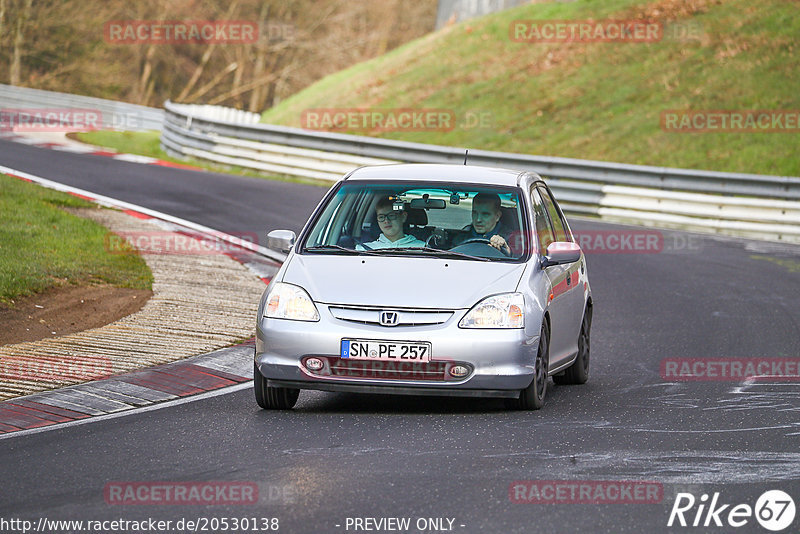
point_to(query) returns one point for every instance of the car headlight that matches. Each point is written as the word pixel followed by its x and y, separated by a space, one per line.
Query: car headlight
pixel 498 311
pixel 287 301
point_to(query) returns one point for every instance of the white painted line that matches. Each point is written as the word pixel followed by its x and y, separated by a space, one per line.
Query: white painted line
pixel 74 149
pixel 26 140
pixel 132 411
pixel 709 430
pixel 134 158
pixel 114 203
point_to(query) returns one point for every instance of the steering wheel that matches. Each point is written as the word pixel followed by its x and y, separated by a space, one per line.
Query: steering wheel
pixel 432 241
pixel 484 241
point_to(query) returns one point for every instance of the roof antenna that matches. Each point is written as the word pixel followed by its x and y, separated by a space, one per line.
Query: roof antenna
pixel 466 153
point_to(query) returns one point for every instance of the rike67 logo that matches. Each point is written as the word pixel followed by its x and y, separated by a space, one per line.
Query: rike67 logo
pixel 774 510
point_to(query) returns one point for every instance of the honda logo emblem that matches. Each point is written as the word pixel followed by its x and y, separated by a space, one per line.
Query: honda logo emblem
pixel 388 318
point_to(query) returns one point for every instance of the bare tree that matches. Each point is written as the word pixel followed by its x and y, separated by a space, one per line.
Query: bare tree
pixel 60 45
pixel 213 83
pixel 261 54
pixel 146 86
pixel 19 41
pixel 236 82
pixel 206 57
pixel 2 21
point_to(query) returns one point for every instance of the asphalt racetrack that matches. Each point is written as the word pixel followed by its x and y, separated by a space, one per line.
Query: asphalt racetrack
pixel 456 464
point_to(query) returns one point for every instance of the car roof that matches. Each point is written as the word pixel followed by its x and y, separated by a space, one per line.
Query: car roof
pixel 430 172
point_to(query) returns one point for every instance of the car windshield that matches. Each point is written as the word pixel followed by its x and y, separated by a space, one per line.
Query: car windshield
pixel 481 223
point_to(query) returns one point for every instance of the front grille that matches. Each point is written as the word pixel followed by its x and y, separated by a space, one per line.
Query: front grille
pixel 367 369
pixel 405 317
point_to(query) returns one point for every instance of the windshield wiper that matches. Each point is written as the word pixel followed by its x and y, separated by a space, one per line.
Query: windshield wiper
pixel 340 248
pixel 413 250
pixel 435 251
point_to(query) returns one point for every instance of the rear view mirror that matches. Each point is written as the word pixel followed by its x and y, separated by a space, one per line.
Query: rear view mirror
pixel 560 252
pixel 428 203
pixel 281 240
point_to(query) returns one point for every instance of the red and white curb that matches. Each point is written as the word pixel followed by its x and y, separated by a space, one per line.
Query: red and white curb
pixel 223 368
pixel 80 148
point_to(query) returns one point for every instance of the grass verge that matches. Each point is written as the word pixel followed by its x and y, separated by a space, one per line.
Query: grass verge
pixel 43 246
pixel 596 100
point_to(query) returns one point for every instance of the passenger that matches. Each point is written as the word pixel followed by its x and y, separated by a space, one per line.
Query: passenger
pixel 391 223
pixel 486 215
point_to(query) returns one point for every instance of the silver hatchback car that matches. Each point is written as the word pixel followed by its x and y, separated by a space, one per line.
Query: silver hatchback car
pixel 427 280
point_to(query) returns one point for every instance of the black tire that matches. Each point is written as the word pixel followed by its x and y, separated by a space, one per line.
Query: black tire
pixel 532 397
pixel 271 398
pixel 578 372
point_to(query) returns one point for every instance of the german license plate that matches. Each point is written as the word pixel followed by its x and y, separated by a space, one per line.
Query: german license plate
pixel 387 351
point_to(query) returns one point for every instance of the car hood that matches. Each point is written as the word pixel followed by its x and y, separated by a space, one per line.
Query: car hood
pixel 400 281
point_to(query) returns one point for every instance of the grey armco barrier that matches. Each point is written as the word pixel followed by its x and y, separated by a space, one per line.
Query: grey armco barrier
pixel 112 115
pixel 747 205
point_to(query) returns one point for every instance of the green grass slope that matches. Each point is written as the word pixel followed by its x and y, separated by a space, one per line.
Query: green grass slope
pixel 43 246
pixel 599 101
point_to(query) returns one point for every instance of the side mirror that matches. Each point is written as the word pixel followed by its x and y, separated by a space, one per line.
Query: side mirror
pixel 281 240
pixel 560 252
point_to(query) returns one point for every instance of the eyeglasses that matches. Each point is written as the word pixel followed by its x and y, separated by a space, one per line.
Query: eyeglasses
pixel 392 216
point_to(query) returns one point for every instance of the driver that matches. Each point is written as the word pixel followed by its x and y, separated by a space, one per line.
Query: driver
pixel 486 215
pixel 391 223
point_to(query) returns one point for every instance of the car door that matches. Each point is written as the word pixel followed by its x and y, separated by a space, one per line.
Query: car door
pixel 567 302
pixel 554 274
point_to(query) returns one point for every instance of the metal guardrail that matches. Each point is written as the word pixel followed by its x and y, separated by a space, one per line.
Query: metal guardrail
pixel 751 205
pixel 218 113
pixel 189 136
pixel 113 115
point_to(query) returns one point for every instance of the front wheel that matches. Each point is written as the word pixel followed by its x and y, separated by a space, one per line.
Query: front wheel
pixel 532 397
pixel 271 398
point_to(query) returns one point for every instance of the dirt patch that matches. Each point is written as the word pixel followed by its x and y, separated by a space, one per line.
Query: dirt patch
pixel 66 310
pixel 665 10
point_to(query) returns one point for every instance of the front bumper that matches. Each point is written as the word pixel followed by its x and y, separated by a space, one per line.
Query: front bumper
pixel 500 360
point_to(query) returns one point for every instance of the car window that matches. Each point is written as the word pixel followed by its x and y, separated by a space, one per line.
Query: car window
pixel 441 216
pixel 555 217
pixel 544 230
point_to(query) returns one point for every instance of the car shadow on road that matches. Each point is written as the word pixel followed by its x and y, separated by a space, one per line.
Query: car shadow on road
pixel 326 402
